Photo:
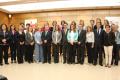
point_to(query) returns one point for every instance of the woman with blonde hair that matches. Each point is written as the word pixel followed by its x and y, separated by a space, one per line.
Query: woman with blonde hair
pixel 90 44
pixel 38 46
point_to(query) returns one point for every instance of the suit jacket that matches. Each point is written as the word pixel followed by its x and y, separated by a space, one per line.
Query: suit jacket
pixel 99 37
pixel 58 37
pixel 4 36
pixel 47 36
pixel 13 37
pixel 82 37
pixel 64 40
pixel 28 38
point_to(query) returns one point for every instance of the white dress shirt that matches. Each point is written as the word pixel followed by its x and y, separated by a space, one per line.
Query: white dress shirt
pixel 90 37
pixel 56 36
pixel 72 36
pixel 30 33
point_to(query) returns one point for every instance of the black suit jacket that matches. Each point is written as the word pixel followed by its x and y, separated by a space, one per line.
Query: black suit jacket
pixel 82 37
pixel 64 40
pixel 99 37
pixel 13 37
pixel 47 37
pixel 6 36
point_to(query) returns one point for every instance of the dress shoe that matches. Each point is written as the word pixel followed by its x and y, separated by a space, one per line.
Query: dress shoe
pixel 94 64
pixel 11 61
pixel 15 61
pixel 64 62
pixel 1 64
pixel 109 66
pixel 49 62
pixel 106 65
pixel 101 64
pixel 7 63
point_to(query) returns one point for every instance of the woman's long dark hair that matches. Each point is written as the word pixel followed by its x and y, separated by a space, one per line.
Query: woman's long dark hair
pixel 11 28
pixel 5 26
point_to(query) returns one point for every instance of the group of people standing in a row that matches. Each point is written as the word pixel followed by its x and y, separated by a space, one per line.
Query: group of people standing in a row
pixel 98 40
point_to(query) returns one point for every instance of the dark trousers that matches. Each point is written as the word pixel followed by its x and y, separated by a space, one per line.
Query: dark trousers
pixel 90 52
pixel 98 54
pixel 20 52
pixel 71 53
pixel 25 56
pixel 61 48
pixel 29 53
pixel 80 53
pixel 4 48
pixel 118 51
pixel 13 48
pixel 115 55
pixel 56 53
pixel 65 52
pixel 47 53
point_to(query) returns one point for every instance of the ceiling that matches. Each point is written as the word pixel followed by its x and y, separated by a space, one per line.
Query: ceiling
pixel 13 2
pixel 23 6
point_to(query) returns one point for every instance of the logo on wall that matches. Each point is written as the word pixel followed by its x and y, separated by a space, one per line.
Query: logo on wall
pixel 32 22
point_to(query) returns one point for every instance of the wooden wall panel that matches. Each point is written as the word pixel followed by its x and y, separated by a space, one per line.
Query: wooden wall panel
pixel 4 18
pixel 64 15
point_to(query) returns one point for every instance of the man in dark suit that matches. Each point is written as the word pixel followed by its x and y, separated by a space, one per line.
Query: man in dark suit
pixel 47 39
pixel 98 44
pixel 81 45
pixel 64 42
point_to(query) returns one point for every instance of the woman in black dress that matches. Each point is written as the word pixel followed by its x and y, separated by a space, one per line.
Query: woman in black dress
pixel 21 45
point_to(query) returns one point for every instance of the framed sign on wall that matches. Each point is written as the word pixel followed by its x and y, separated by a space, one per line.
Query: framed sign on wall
pixel 32 22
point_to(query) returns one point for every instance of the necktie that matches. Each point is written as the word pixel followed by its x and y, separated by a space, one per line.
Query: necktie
pixel 79 31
